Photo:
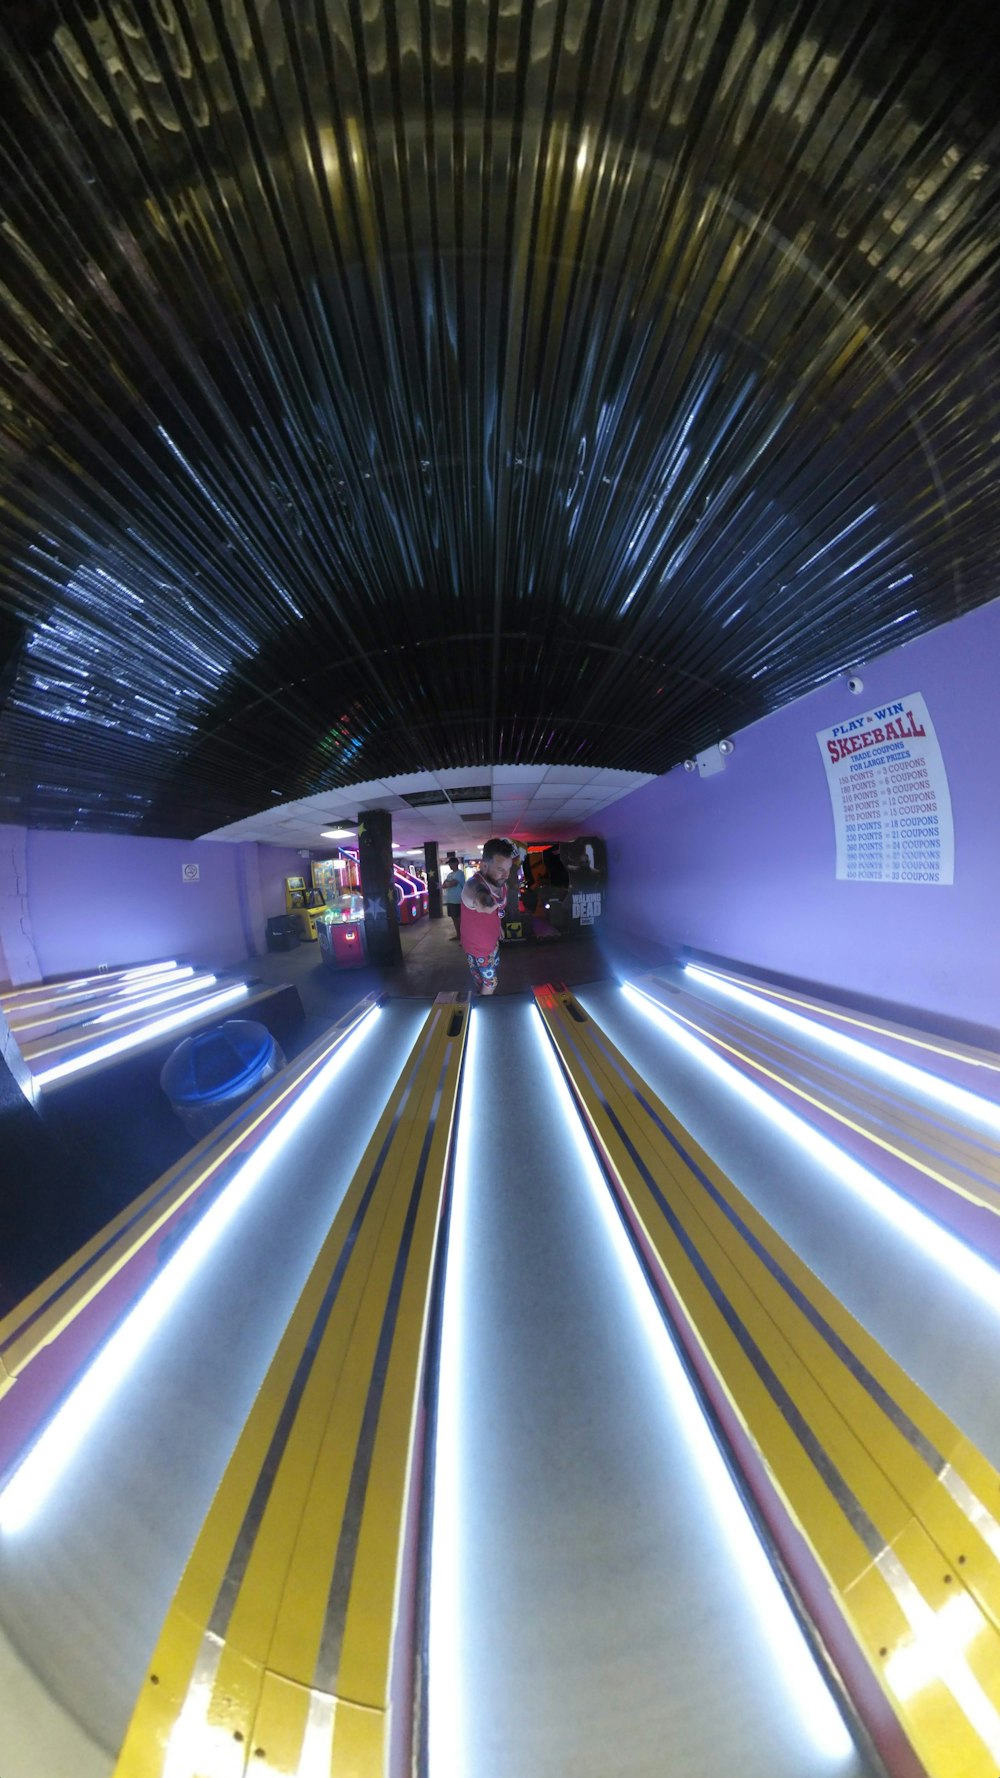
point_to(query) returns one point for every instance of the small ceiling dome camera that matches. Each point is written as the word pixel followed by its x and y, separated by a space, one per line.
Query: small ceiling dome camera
pixel 855 684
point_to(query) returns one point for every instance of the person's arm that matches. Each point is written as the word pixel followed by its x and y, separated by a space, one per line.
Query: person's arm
pixel 476 895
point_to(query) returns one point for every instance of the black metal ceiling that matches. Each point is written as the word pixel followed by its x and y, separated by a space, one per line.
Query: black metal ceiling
pixel 401 384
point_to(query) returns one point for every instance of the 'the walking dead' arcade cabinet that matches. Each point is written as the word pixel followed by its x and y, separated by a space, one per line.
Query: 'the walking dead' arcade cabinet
pixel 564 890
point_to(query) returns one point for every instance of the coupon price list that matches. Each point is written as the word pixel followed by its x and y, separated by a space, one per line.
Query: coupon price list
pixel 892 826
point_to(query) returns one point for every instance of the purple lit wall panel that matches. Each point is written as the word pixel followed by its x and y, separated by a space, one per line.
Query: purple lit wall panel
pixel 743 863
pixel 100 898
pixel 275 864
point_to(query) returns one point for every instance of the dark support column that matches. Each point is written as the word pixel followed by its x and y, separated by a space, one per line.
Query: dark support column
pixel 514 889
pixel 377 887
pixel 433 879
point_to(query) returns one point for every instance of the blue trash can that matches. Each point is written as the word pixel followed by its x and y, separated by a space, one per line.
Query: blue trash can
pixel 208 1075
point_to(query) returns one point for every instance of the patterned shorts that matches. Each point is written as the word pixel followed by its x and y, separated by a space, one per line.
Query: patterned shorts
pixel 484 969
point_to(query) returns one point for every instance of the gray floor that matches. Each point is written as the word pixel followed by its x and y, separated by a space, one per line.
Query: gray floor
pixel 433 962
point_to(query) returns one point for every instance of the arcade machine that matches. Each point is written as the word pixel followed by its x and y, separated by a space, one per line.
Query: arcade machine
pixel 408 903
pixel 418 886
pixel 565 889
pixel 333 877
pixel 408 906
pixel 304 903
pixel 585 861
pixel 341 929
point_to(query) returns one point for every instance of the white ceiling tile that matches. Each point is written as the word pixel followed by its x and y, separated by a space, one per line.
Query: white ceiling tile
pixel 535 799
pixel 450 775
pixel 610 775
pixel 405 782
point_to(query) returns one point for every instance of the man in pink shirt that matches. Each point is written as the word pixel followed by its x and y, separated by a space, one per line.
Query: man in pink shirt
pixel 484 899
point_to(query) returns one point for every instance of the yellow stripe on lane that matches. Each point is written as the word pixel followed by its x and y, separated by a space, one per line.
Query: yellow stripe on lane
pixel 960 1511
pixel 858 1455
pixel 288 1643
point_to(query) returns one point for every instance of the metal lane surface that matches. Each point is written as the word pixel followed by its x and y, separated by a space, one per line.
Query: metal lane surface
pixel 603 1614
pixel 85 1586
pixel 906 1294
pixel 290 1639
pixel 936 1141
pixel 894 1504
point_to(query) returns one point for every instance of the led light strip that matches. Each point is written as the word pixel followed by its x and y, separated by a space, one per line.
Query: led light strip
pixel 794 1663
pixel 127 1002
pixel 968 1179
pixel 21 1017
pixel 931 1237
pixel 968 1058
pixel 110 979
pixel 447 1732
pixel 131 1039
pixel 933 1086
pixel 131 1007
pixel 33 1480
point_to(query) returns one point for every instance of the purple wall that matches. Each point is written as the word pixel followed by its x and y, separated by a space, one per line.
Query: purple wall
pixel 275 863
pixel 97 899
pixel 743 863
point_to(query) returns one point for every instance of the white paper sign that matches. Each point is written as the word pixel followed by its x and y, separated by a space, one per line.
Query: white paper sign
pixel 889 790
pixel 190 873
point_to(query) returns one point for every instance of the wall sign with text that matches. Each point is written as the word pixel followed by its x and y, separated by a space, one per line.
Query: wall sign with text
pixel 889 790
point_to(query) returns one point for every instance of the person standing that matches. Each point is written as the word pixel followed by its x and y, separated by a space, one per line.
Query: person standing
pixel 484 900
pixel 451 892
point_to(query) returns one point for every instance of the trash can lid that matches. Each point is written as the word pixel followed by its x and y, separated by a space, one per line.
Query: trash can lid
pixel 216 1063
